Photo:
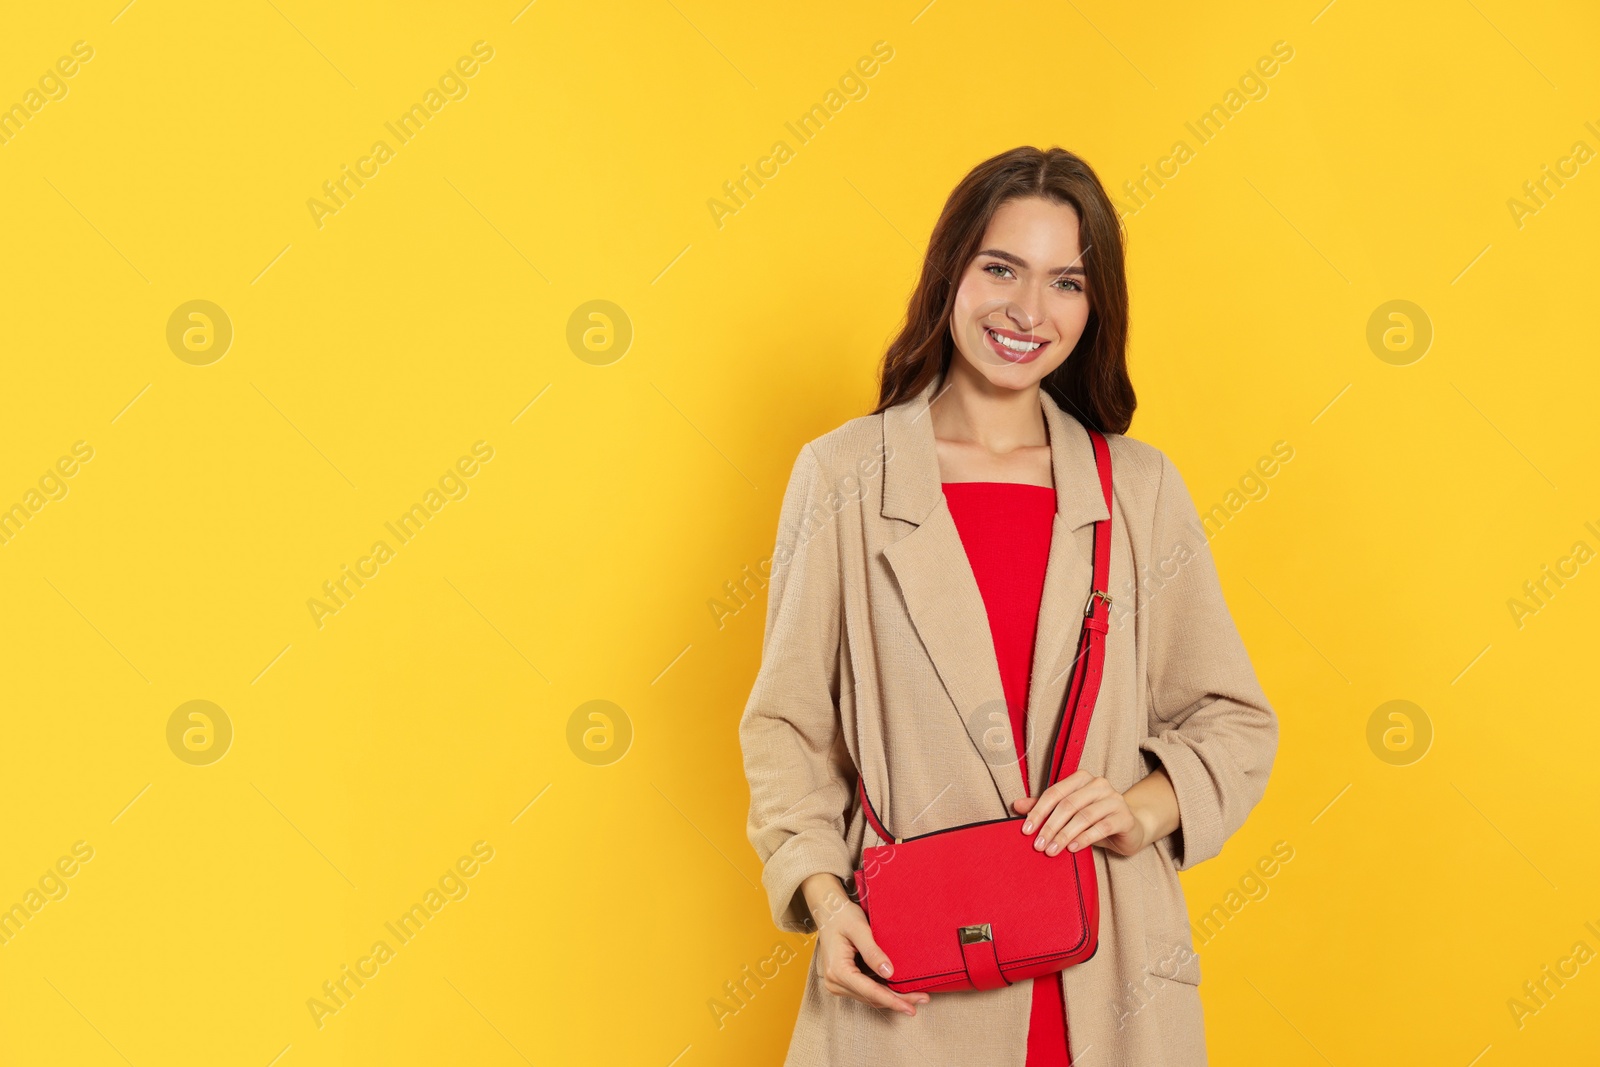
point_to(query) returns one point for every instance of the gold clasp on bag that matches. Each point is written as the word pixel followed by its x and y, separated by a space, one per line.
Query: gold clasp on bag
pixel 972 935
pixel 1088 607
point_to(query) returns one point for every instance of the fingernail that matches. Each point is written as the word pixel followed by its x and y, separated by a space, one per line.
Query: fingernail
pixel 1053 849
pixel 1027 827
pixel 886 969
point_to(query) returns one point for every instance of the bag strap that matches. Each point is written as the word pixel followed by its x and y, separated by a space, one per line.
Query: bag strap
pixel 1084 687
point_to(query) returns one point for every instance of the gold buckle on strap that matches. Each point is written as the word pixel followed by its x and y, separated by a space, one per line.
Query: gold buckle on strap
pixel 1088 607
pixel 972 935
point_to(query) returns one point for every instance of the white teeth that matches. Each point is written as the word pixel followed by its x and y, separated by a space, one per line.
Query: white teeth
pixel 1016 346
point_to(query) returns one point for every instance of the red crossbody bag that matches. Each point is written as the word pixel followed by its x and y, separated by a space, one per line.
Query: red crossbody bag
pixel 977 906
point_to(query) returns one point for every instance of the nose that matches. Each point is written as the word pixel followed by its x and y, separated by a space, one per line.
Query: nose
pixel 1026 311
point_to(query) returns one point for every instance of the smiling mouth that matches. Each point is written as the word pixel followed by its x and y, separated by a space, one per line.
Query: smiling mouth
pixel 1015 347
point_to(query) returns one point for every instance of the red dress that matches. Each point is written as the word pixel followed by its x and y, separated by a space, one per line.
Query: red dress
pixel 1005 528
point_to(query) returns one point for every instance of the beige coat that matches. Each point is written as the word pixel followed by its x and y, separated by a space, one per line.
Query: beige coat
pixel 875 623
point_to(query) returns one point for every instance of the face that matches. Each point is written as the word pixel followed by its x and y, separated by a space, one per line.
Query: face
pixel 1022 303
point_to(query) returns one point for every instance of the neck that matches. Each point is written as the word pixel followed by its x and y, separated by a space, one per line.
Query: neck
pixel 969 408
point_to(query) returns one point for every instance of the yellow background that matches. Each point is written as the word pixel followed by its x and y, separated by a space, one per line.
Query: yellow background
pixel 432 711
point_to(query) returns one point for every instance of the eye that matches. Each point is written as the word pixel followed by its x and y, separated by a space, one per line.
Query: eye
pixel 1076 285
pixel 997 266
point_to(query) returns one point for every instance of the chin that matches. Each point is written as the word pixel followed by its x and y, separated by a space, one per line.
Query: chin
pixel 1015 376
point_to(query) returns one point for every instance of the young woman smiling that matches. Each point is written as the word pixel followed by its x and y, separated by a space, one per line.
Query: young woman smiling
pixel 923 629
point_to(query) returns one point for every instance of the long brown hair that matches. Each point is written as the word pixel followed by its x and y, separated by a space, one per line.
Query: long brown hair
pixel 1093 383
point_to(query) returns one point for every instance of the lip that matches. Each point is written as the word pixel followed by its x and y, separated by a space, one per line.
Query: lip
pixel 1007 354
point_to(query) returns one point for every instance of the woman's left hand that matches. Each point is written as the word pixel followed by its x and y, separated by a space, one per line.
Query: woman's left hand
pixel 1082 810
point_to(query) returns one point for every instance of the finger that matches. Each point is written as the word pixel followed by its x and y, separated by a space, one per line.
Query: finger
pixel 1098 832
pixel 1076 780
pixel 1091 815
pixel 1042 805
pixel 867 991
pixel 1038 812
pixel 860 935
pixel 1070 809
pixel 1060 813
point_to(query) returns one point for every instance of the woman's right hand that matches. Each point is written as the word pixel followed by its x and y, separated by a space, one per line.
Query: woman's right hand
pixel 842 932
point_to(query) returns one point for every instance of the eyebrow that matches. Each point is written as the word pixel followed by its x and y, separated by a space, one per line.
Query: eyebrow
pixel 1075 268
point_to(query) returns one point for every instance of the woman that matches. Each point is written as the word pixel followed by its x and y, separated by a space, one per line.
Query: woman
pixel 932 564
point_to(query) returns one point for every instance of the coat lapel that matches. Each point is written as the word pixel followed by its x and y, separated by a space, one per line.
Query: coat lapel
pixel 935 577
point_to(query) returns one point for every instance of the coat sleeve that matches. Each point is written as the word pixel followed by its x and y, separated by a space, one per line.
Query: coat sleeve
pixel 1210 725
pixel 799 769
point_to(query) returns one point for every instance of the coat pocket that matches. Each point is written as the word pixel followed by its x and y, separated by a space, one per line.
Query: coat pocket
pixel 1173 960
